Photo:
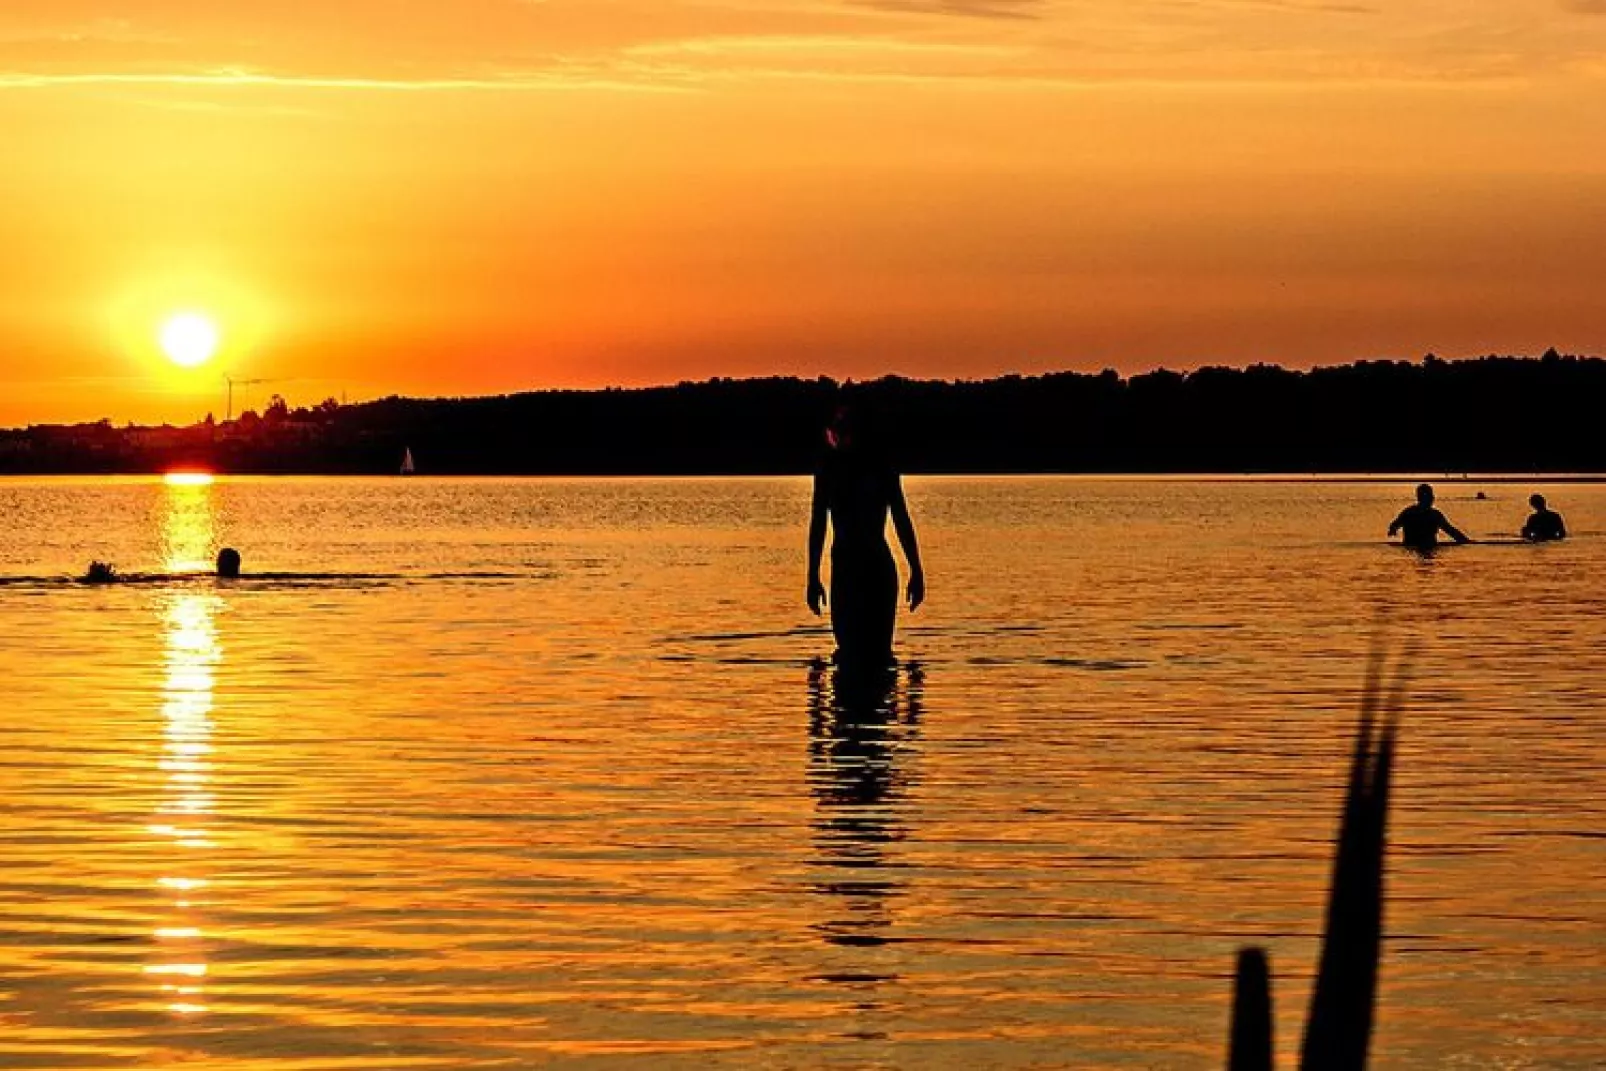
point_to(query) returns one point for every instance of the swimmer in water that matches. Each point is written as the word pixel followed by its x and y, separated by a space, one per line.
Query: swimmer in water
pixel 1422 523
pixel 101 573
pixel 228 563
pixel 1545 525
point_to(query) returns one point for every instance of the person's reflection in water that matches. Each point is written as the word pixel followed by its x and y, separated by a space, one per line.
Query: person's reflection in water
pixel 861 721
pixel 855 489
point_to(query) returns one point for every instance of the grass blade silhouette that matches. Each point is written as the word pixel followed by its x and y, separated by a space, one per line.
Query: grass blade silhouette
pixel 1250 1046
pixel 1338 1032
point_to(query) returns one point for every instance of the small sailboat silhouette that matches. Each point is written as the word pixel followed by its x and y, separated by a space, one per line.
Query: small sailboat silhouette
pixel 407 468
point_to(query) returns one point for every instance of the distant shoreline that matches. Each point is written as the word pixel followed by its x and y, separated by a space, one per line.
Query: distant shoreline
pixel 1507 417
pixel 1442 479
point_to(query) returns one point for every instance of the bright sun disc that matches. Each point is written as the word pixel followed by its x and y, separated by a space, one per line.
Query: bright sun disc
pixel 189 339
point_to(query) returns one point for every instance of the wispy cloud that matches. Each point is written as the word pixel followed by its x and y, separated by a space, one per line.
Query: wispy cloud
pixel 974 9
pixel 815 45
pixel 232 78
pixel 1316 7
pixel 1322 7
pixel 107 30
pixel 644 46
pixel 784 48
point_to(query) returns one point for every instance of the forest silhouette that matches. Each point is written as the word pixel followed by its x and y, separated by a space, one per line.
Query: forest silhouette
pixel 1492 414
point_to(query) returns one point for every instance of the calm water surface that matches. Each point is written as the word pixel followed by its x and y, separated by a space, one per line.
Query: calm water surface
pixel 543 773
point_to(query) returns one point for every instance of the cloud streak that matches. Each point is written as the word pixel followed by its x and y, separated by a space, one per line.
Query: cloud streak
pixel 972 9
pixel 978 44
pixel 241 79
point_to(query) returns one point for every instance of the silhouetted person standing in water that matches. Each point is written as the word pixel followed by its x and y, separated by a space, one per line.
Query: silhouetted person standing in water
pixel 228 563
pixel 1545 524
pixel 101 573
pixel 855 488
pixel 1422 523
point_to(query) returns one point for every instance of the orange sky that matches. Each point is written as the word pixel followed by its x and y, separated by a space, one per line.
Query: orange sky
pixel 467 196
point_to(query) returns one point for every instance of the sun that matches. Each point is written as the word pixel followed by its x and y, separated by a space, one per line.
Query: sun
pixel 189 339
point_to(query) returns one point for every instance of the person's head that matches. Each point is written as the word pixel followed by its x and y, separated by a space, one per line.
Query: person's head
pixel 1424 494
pixel 228 562
pixel 858 424
pixel 1536 501
pixel 842 433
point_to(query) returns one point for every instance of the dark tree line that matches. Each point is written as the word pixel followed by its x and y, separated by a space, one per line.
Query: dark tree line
pixel 1490 414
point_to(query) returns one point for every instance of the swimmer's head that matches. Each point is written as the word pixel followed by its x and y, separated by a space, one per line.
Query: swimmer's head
pixel 843 431
pixel 228 562
pixel 1424 494
pixel 1536 501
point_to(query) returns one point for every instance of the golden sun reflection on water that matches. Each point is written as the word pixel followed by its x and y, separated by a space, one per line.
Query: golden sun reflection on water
pixel 192 655
pixel 188 479
pixel 188 523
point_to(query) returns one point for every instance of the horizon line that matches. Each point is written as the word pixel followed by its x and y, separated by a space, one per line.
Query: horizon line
pixel 1549 353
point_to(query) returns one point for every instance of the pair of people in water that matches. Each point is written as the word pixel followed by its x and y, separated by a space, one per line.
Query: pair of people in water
pixel 1421 524
pixel 228 567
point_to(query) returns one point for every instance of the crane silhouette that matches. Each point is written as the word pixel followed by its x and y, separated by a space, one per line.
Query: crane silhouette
pixel 232 382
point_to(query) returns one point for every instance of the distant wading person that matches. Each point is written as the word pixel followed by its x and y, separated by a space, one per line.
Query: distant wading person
pixel 1545 524
pixel 228 563
pixel 1422 523
pixel 101 573
pixel 855 487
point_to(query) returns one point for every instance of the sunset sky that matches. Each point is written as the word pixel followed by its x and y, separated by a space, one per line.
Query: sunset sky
pixel 471 196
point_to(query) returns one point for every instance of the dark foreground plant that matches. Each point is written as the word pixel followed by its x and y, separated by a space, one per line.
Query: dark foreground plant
pixel 1338 1032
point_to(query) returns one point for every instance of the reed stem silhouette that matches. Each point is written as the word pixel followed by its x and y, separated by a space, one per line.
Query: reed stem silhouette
pixel 1338 1029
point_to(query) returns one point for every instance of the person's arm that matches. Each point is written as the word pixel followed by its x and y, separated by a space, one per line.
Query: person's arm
pixel 1561 527
pixel 905 527
pixel 1451 530
pixel 1529 529
pixel 1395 527
pixel 817 515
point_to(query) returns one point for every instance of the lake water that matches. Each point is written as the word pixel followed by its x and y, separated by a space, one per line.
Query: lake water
pixel 543 773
